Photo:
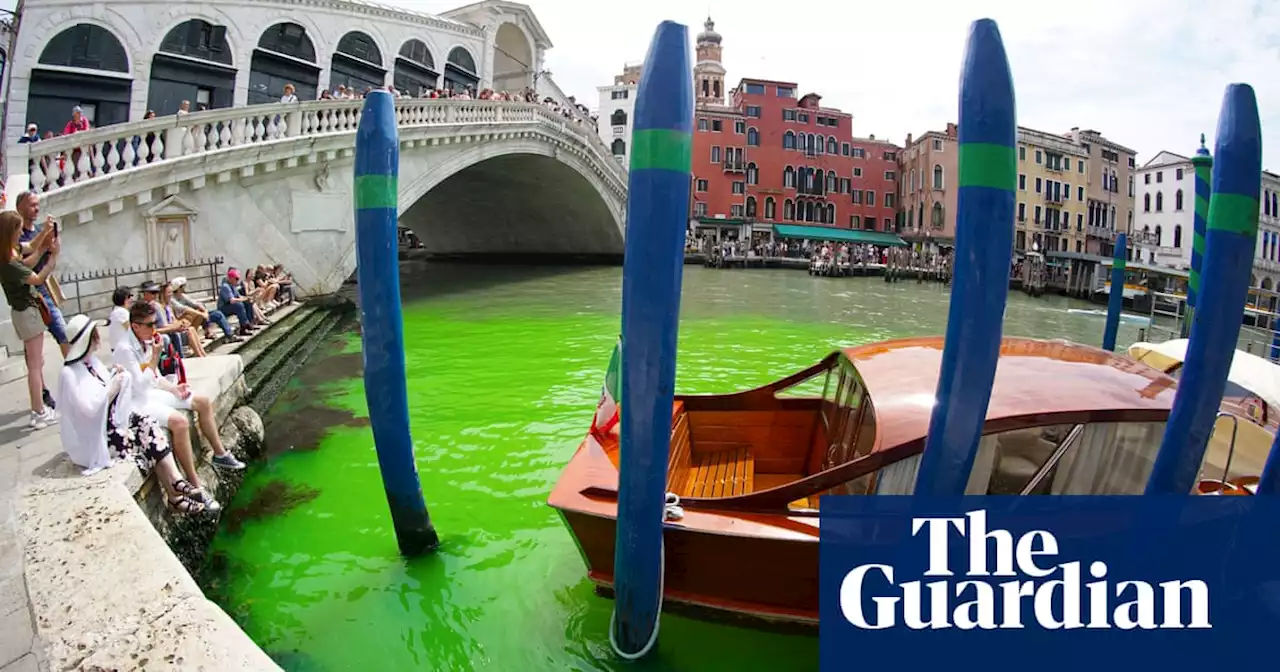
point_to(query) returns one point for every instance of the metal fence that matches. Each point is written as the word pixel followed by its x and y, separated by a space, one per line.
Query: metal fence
pixel 90 292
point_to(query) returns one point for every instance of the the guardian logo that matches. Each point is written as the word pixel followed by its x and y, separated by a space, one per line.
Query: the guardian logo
pixel 1051 594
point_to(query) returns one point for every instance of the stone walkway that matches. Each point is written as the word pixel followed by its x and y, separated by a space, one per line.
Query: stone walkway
pixel 22 453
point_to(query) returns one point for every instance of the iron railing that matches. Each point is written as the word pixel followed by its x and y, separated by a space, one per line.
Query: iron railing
pixel 90 291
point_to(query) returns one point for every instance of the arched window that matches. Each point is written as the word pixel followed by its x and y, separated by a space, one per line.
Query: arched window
pixel 937 177
pixel 357 63
pixel 833 147
pixel 86 46
pixel 913 179
pixel 753 137
pixel 415 68
pixel 1177 200
pixel 769 211
pixel 820 143
pixel 788 178
pixel 753 174
pixel 937 215
pixel 831 213
pixel 921 219
pixel 619 147
pixel 788 140
pixel 831 182
pixel 788 210
pixel 1177 234
pixel 1273 202
pixel 1159 235
pixel 1146 202
pixel 618 118
pixel 105 100
pixel 460 70
pixel 751 206
pixel 1159 201
pixel 809 214
pixel 819 182
pixel 1113 217
pixel 200 39
pixel 812 141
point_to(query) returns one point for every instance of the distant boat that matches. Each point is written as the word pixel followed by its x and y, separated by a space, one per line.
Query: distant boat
pixel 1124 317
pixel 749 469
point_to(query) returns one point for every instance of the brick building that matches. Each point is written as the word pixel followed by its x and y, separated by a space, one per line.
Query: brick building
pixel 769 156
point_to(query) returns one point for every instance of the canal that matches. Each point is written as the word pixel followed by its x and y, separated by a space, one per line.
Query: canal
pixel 504 368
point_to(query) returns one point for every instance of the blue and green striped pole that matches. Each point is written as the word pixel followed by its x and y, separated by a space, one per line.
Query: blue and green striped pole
pixel 1202 166
pixel 377 199
pixel 1231 231
pixel 1115 302
pixel 657 215
pixel 1269 482
pixel 984 246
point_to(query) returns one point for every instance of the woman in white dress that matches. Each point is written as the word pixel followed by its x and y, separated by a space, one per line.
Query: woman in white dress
pixel 100 424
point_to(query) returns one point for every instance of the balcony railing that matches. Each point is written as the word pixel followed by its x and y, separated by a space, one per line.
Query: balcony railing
pixel 1100 232
pixel 61 162
pixel 1050 197
pixel 1140 238
pixel 734 166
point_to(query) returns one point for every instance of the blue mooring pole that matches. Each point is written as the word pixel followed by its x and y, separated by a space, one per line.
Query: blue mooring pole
pixel 657 216
pixel 984 248
pixel 1269 483
pixel 1115 302
pixel 377 199
pixel 1229 240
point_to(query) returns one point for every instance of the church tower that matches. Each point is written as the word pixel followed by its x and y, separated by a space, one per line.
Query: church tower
pixel 708 72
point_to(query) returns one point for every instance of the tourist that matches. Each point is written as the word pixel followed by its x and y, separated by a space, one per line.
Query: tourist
pixel 289 94
pixel 285 281
pixel 232 302
pixel 78 122
pixel 257 304
pixel 31 241
pixel 157 397
pixel 100 425
pixel 173 335
pixel 262 287
pixel 184 328
pixel 118 318
pixel 184 108
pixel 32 135
pixel 18 282
pixel 194 312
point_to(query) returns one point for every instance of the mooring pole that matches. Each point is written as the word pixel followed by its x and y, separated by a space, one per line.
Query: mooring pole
pixel 377 199
pixel 1202 166
pixel 1115 302
pixel 1230 233
pixel 1269 482
pixel 984 246
pixel 657 214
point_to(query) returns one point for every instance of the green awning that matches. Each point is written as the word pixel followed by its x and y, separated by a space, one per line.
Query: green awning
pixel 838 235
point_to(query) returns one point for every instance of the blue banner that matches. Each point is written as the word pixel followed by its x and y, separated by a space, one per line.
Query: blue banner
pixel 1049 583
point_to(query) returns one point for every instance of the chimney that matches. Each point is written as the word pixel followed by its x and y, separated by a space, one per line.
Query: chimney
pixel 951 130
pixel 908 140
pixel 872 136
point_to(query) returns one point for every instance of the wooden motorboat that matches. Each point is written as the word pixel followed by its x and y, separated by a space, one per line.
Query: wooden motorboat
pixel 750 469
pixel 1246 426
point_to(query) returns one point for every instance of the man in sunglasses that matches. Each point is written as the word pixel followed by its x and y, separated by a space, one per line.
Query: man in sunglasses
pixel 151 394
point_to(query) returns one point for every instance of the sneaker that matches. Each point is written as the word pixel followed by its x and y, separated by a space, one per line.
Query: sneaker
pixel 50 415
pixel 228 461
pixel 39 421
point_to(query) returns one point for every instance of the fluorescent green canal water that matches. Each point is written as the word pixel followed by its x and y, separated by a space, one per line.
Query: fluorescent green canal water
pixel 504 369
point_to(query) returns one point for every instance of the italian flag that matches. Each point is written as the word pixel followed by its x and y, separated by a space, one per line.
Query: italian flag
pixel 608 410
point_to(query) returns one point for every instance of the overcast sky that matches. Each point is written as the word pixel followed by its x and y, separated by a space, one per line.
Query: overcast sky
pixel 1146 73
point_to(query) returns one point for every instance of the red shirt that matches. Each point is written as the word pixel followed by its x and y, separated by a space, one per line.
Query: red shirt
pixel 72 126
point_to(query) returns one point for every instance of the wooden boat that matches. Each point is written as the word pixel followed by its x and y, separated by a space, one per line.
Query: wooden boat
pixel 749 469
pixel 1245 427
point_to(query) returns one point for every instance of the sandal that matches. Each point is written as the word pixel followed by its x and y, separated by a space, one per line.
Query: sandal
pixel 185 505
pixel 185 488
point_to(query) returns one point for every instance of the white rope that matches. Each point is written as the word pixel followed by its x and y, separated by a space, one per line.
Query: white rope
pixel 670 511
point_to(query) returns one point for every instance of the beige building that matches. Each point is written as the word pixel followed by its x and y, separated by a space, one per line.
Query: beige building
pixel 928 169
pixel 1110 208
pixel 1053 174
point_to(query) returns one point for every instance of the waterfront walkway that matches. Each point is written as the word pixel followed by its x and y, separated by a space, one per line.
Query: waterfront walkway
pixel 86 580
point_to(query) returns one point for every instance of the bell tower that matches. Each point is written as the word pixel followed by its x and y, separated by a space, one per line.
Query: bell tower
pixel 708 72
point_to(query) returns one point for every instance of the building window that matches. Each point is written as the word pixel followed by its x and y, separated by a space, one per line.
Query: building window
pixel 1039 157
pixel 937 177
pixel 1080 167
pixel 859 153
pixel 788 115
pixel 1037 219
pixel 715 155
pixel 890 176
pixel 753 137
pixel 751 206
pixel 831 213
pixel 937 144
pixel 832 183
pixel 788 140
pixel 802 117
pixel 869 197
pixel 857 172
pixel 788 210
pixel 844 149
pixel 1146 179
pixel 1080 194
pixel 1177 201
pixel 619 147
pixel 619 95
pixel 739 188
pixel 937 215
pixel 1022 183
pixel 1079 247
pixel 1146 202
pixel 717 125
pixel 855 222
pixel 786 92
pixel 618 118
pixel 1022 212
pixel 1066 164
pixel 753 174
pixel 700 209
pixel 702 185
pixel 888 199
pixel 702 124
pixel 1178 173
pixel 856 197
pixel 753 111
pixel 789 178
pixel 1022 153
pixel 1159 235
pixel 739 127
pixel 1159 200
pixel 769 208
pixel 735 211
pixel 1038 185
pixel 1159 176
pixel 1177 235
pixel 755 89
pixel 832 146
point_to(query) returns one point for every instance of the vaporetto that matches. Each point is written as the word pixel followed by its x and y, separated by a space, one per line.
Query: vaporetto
pixel 974 600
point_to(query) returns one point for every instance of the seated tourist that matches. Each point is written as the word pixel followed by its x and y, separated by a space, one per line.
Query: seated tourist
pixel 99 425
pixel 232 301
pixel 155 396
pixel 171 333
pixel 184 327
pixel 262 287
pixel 118 319
pixel 193 311
pixel 285 281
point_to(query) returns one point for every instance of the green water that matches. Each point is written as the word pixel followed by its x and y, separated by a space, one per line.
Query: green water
pixel 504 369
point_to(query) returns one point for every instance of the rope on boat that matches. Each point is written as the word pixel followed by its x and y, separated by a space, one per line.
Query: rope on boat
pixel 671 510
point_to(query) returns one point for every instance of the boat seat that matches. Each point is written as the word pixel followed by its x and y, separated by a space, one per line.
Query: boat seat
pixel 724 473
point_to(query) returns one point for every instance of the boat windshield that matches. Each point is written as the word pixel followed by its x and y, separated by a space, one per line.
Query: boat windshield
pixel 848 420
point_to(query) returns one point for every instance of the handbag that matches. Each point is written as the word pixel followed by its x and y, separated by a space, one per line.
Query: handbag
pixel 46 315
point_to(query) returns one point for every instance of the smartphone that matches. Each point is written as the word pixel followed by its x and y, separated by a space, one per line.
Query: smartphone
pixel 55 228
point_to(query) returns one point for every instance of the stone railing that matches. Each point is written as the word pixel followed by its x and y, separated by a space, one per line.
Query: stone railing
pixel 63 162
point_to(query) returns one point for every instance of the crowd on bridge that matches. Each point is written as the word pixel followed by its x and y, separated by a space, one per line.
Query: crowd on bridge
pixel 134 410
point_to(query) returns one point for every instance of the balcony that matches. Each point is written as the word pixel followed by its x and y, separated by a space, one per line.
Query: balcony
pixel 1148 238
pixel 734 165
pixel 1056 199
pixel 1266 265
pixel 1100 232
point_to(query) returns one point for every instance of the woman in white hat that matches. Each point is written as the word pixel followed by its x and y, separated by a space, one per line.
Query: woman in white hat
pixel 99 425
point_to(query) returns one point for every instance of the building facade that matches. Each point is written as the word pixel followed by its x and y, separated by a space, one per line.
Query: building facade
pixel 1053 175
pixel 1163 227
pixel 873 198
pixel 617 107
pixel 118 60
pixel 1266 252
pixel 1110 192
pixel 928 166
